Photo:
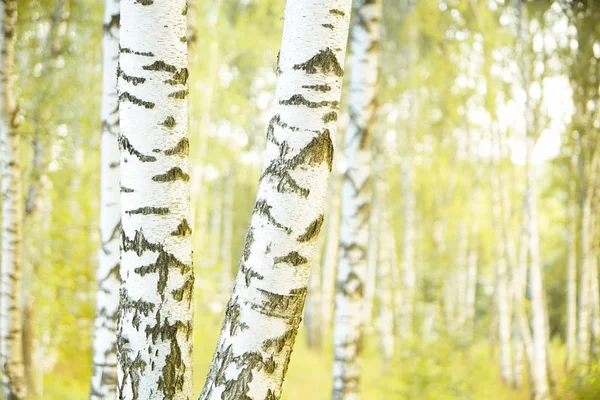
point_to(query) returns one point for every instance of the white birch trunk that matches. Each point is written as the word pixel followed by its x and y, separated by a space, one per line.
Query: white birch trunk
pixel 104 355
pixel 154 345
pixel 356 199
pixel 11 333
pixel 265 309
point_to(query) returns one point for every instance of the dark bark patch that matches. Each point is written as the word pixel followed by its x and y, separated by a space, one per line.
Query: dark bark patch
pixel 312 230
pixel 145 2
pixel 172 175
pixel 163 263
pixel 139 307
pixel 249 274
pixel 318 88
pixel 160 66
pixel 248 244
pixel 330 116
pixel 324 62
pixel 126 96
pixel 182 148
pixel 183 229
pixel 328 26
pixel 278 343
pixel 115 20
pixel 126 50
pixel 293 258
pixel 288 307
pixel 169 122
pixel 335 11
pixel 125 145
pixel 179 77
pixel 263 208
pixel 186 291
pixel 149 211
pixel 180 94
pixel 185 9
pixel 126 190
pixel 299 100
pixel 134 80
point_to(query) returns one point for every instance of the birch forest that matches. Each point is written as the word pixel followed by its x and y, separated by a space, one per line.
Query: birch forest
pixel 300 199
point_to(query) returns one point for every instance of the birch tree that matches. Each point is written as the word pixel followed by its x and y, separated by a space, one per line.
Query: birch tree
pixel 11 333
pixel 265 309
pixel 104 356
pixel 154 345
pixel 355 201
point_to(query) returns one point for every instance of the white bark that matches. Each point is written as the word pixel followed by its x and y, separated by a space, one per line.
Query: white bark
pixel 11 339
pixel 104 355
pixel 263 314
pixel 154 345
pixel 356 198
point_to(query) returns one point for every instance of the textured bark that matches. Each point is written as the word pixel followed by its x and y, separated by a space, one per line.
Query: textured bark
pixel 154 345
pixel 11 339
pixel 355 202
pixel 265 309
pixel 225 280
pixel 104 356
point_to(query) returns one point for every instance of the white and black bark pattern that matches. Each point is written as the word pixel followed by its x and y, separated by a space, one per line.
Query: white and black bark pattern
pixel 104 357
pixel 265 309
pixel 154 345
pixel 355 201
pixel 11 333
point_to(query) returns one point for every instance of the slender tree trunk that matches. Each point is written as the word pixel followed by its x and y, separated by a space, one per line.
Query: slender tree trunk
pixel 11 339
pixel 356 201
pixel 313 301
pixel 225 281
pixel 571 300
pixel 263 314
pixel 404 326
pixel 373 253
pixel 154 345
pixel 104 358
pixel 330 253
pixel 385 290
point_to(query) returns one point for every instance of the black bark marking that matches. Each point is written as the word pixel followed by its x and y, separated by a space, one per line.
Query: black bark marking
pixel 181 149
pixel 115 20
pixel 131 79
pixel 335 11
pixel 183 229
pixel 278 343
pixel 299 100
pixel 138 244
pixel 293 258
pixel 185 9
pixel 149 211
pixel 318 88
pixel 180 94
pixel 139 307
pixel 330 116
pixel 186 291
pixel 324 62
pixel 232 315
pixel 312 230
pixel 126 50
pixel 248 244
pixel 145 2
pixel 160 66
pixel 169 122
pixel 328 26
pixel 172 175
pixel 131 369
pixel 179 77
pixel 125 145
pixel 262 208
pixel 249 274
pixel 126 96
pixel 288 307
pixel 163 263
pixel 126 190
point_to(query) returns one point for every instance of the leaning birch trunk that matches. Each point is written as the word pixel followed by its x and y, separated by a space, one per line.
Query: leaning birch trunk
pixel 571 300
pixel 356 198
pixel 11 338
pixel 104 355
pixel 225 280
pixel 154 345
pixel 265 309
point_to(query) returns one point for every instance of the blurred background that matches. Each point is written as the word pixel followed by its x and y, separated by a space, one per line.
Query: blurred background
pixel 486 146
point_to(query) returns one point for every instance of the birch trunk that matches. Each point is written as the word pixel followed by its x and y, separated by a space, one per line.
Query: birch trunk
pixel 404 326
pixel 356 197
pixel 154 345
pixel 11 339
pixel 330 253
pixel 104 355
pixel 373 253
pixel 265 309
pixel 571 300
